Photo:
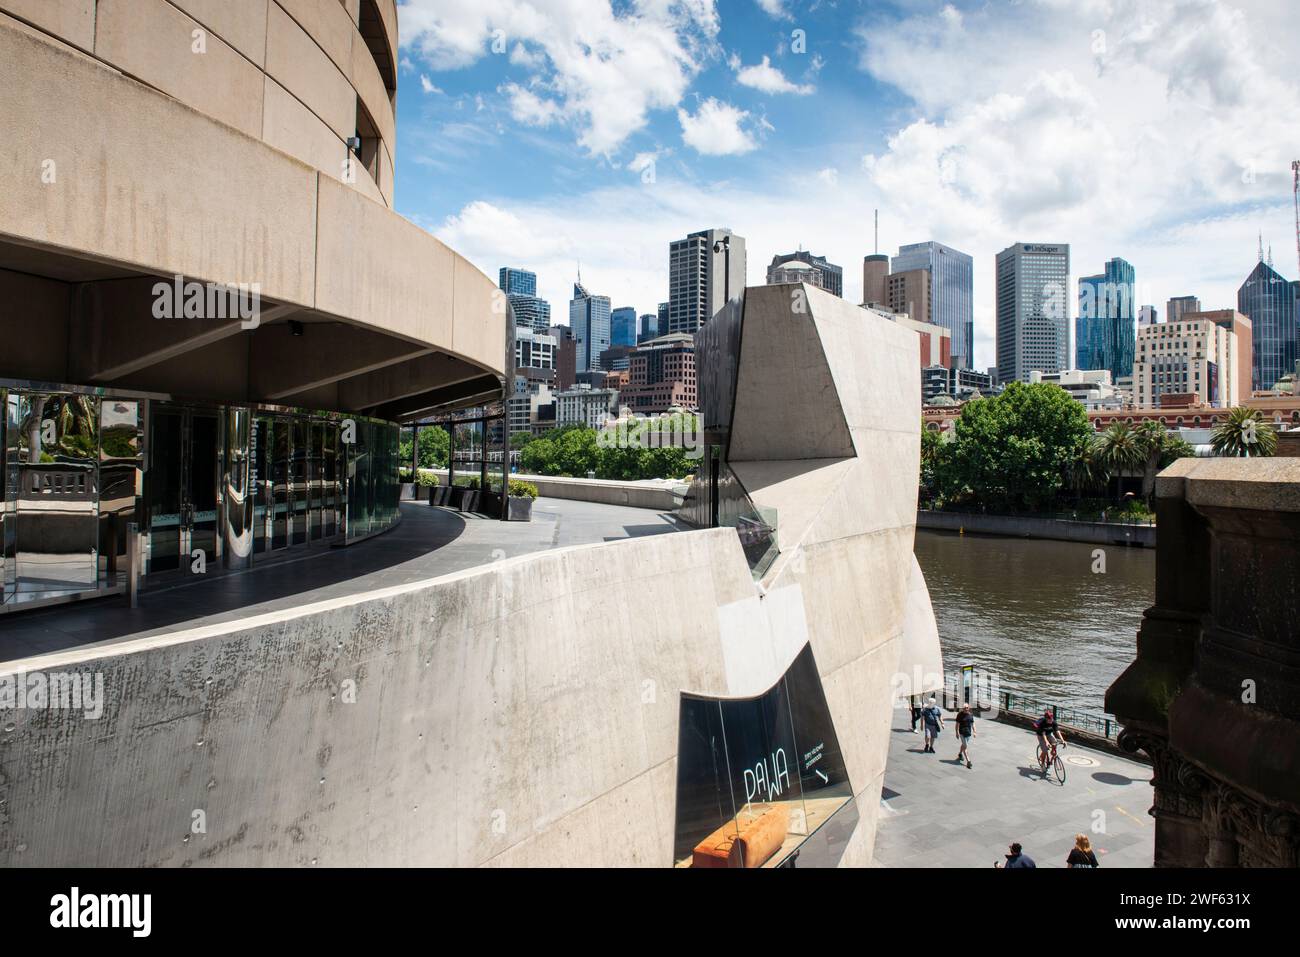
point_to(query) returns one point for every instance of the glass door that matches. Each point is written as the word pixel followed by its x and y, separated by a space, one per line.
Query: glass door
pixel 203 456
pixel 280 484
pixel 181 487
pixel 163 488
pixel 298 482
pixel 315 481
pixel 260 478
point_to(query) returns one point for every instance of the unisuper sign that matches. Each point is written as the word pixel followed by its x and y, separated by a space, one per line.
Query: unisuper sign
pixel 1038 248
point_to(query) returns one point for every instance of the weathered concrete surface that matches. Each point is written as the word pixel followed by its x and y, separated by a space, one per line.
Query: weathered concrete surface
pixel 1019 526
pixel 522 713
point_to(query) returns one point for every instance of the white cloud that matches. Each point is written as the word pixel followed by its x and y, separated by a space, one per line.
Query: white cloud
pixel 427 85
pixel 715 129
pixel 605 70
pixel 1124 127
pixel 774 8
pixel 527 107
pixel 768 79
pixel 830 176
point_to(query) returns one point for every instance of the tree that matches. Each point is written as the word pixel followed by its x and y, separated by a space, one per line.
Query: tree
pixel 1012 451
pixel 1118 450
pixel 1245 433
pixel 1082 473
pixel 434 446
pixel 520 439
pixel 932 450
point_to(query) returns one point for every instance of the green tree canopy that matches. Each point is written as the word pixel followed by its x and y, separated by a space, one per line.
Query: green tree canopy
pixel 1012 451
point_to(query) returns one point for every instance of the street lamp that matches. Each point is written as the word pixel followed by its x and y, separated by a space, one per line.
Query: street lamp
pixel 723 246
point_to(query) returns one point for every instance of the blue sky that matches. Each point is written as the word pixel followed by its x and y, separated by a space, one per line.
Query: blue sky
pixel 541 133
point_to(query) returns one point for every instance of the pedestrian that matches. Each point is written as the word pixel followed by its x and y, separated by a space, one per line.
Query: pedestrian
pixel 933 719
pixel 1017 858
pixel 965 731
pixel 1081 854
pixel 914 702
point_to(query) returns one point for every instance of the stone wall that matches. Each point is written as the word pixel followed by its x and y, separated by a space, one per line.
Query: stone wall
pixel 1214 693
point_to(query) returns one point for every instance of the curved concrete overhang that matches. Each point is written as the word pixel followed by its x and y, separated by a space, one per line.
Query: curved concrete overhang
pixel 114 187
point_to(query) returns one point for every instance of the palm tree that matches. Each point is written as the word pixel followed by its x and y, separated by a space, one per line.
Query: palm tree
pixel 1152 438
pixel 1119 450
pixel 1083 473
pixel 1245 433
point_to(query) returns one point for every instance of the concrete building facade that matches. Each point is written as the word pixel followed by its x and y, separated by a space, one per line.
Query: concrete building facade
pixel 1033 331
pixel 224 320
pixel 699 270
pixel 1192 355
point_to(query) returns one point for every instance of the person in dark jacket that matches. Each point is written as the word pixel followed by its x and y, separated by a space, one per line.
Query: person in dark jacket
pixel 1081 854
pixel 1016 857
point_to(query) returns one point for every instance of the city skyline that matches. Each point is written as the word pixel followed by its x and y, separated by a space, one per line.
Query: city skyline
pixel 1073 155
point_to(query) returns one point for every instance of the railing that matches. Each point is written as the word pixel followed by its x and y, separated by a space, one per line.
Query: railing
pixel 983 690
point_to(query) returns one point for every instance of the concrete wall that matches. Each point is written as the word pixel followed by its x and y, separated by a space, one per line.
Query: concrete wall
pixel 182 181
pixel 501 716
pixel 1016 526
pixel 289 72
pixel 663 498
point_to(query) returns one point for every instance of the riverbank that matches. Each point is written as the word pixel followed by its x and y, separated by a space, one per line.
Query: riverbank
pixel 1023 526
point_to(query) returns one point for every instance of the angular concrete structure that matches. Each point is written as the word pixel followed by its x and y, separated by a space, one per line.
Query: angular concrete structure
pixel 551 709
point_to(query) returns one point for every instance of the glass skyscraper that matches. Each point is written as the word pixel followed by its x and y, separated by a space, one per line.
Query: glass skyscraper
pixel 589 319
pixel 520 287
pixel 951 292
pixel 1269 301
pixel 623 326
pixel 1105 332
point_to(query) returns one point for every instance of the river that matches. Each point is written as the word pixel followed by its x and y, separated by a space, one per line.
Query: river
pixel 1036 613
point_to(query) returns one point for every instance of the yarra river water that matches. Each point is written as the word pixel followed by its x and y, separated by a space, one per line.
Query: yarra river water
pixel 1035 613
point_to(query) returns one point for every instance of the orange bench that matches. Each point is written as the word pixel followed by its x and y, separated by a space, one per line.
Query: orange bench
pixel 746 842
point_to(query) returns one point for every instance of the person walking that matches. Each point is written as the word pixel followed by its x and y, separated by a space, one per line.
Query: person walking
pixel 1017 858
pixel 1081 854
pixel 933 718
pixel 965 731
pixel 914 702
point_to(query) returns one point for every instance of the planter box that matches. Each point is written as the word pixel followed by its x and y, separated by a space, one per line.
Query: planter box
pixel 408 492
pixel 441 494
pixel 469 500
pixel 521 508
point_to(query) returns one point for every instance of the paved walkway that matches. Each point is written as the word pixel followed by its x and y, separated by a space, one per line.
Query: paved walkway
pixel 936 813
pixel 428 543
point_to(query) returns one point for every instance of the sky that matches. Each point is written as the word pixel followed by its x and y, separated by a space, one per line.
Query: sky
pixel 558 134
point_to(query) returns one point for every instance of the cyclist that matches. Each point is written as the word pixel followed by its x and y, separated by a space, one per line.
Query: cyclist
pixel 1047 730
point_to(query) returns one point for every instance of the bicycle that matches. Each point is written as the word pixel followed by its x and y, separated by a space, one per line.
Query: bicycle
pixel 1053 762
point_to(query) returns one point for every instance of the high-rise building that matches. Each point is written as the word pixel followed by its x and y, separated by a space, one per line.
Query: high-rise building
pixel 1178 305
pixel 1147 316
pixel 1105 328
pixel 1192 356
pixel 952 300
pixel 662 376
pixel 663 318
pixel 622 326
pixel 829 276
pixel 517 282
pixel 1269 301
pixel 698 277
pixel 534 350
pixel 649 327
pixel 875 270
pixel 909 291
pixel 1033 327
pixel 520 287
pixel 566 356
pixel 589 320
